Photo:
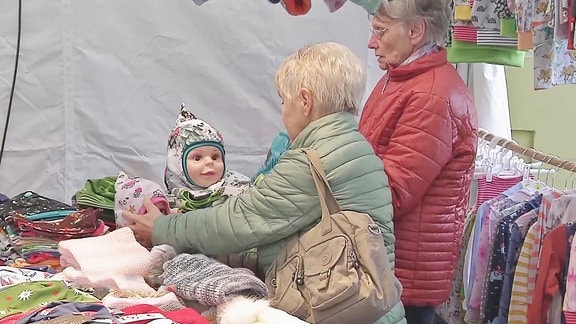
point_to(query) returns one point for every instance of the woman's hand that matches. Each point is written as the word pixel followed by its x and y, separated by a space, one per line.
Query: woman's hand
pixel 142 224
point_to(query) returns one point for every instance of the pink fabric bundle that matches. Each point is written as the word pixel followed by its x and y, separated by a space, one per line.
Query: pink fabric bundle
pixel 115 260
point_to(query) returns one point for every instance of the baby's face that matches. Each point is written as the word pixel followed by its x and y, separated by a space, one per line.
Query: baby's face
pixel 205 165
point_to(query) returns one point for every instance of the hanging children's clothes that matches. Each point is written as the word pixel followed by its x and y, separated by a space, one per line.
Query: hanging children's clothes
pixel 553 61
pixel 479 36
pixel 569 304
pixel 486 14
pixel 490 189
pixel 554 64
pixel 547 285
pixel 499 31
pixel 519 300
pixel 557 209
pixel 488 217
pixel 571 230
pixel 526 269
pixel 515 233
pixel 497 264
pixel 518 232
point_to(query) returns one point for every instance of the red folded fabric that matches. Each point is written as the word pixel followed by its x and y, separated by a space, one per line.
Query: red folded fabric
pixel 182 316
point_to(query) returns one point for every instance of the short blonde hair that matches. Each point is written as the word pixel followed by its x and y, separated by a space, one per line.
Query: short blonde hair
pixel 332 72
pixel 436 15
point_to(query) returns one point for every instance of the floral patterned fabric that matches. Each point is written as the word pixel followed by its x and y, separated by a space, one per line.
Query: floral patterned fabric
pixel 29 295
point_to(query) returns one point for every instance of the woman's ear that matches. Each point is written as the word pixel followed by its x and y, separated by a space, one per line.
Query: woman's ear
pixel 307 100
pixel 417 32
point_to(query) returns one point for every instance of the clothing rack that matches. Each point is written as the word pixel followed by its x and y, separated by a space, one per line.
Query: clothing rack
pixel 528 152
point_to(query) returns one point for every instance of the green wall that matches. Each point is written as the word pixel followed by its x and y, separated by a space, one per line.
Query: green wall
pixel 545 119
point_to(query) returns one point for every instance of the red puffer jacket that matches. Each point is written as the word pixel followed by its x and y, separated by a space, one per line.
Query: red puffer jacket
pixel 423 126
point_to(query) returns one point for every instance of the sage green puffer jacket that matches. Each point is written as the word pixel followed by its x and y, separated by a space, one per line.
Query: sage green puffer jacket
pixel 285 201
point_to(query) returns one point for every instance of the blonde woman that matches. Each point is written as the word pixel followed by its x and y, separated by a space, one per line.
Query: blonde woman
pixel 320 88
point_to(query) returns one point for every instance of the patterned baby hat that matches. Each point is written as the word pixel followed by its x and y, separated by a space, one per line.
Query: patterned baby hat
pixel 130 195
pixel 188 134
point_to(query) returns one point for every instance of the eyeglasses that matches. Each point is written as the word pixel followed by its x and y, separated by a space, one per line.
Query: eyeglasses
pixel 378 31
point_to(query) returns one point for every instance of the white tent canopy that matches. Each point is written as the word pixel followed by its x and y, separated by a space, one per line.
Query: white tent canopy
pixel 100 82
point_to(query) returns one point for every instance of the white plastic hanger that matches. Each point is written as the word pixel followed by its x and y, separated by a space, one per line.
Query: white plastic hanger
pixel 560 166
pixel 572 176
pixel 505 162
pixel 535 186
pixel 491 158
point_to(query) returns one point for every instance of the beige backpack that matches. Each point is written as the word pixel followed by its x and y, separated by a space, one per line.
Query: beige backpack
pixel 336 272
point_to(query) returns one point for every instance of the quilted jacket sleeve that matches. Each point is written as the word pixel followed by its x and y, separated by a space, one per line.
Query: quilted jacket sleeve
pixel 420 146
pixel 264 214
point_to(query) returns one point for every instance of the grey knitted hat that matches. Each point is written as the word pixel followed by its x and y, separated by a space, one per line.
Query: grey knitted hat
pixel 198 277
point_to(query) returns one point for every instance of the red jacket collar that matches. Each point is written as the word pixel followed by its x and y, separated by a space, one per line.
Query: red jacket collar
pixel 419 66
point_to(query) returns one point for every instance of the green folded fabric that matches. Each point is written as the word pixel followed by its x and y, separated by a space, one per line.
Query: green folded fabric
pixel 466 52
pixel 97 193
pixel 508 28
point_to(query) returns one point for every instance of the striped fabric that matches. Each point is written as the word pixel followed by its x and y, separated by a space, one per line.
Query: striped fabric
pixel 465 33
pixel 570 317
pixel 488 190
pixel 492 37
pixel 519 300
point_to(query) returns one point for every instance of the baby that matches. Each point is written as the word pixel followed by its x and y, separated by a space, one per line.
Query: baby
pixel 196 175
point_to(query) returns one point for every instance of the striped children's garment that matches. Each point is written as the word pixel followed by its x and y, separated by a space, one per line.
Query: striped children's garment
pixel 519 300
pixel 491 189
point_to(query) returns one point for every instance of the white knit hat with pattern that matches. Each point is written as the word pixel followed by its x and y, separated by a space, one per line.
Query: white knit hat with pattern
pixel 188 134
